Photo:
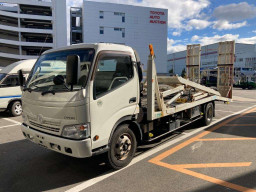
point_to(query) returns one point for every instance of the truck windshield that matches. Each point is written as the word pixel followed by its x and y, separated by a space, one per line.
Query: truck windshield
pixel 2 76
pixel 50 65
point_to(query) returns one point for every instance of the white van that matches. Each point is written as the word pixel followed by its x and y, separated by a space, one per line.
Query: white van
pixel 10 93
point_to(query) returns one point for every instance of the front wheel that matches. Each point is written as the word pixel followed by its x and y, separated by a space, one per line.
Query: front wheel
pixel 16 108
pixel 122 147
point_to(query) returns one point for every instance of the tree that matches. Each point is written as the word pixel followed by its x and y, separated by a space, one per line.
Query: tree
pixel 183 73
pixel 171 71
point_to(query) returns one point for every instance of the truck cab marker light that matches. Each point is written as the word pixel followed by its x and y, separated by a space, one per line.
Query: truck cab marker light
pixel 96 137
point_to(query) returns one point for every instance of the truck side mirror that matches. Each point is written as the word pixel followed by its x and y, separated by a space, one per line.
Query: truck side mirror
pixel 21 78
pixel 72 69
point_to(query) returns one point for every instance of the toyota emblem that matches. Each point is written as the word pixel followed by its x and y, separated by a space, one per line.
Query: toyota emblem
pixel 40 119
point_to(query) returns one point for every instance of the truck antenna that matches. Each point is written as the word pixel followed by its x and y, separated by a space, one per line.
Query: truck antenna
pixel 44 43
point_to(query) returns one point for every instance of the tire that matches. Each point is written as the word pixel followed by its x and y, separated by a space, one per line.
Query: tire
pixel 122 147
pixel 16 108
pixel 208 114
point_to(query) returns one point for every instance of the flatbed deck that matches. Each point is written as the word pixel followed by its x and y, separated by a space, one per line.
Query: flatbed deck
pixel 169 95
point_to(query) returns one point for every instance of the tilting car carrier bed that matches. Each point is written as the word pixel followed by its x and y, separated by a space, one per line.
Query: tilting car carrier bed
pixel 89 100
pixel 179 99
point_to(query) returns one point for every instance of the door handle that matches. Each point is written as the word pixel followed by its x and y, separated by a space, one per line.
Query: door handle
pixel 132 100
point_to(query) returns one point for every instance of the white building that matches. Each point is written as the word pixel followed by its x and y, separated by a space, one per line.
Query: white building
pixel 29 27
pixel 129 25
pixel 245 56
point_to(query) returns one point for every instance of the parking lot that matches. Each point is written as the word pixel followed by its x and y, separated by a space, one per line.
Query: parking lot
pixel 220 157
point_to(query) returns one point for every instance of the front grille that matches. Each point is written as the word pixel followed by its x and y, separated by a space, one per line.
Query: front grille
pixel 44 127
pixel 52 123
pixel 32 118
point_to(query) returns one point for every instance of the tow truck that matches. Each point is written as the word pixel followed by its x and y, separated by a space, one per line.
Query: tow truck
pixel 89 99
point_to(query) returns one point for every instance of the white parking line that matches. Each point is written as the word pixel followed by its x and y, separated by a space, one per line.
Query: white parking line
pixel 95 180
pixel 230 105
pixel 225 111
pixel 9 125
pixel 11 120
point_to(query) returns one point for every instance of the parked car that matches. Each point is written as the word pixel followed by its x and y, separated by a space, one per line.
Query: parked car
pixel 10 93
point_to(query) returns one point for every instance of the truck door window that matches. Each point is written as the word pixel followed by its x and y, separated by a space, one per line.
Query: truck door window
pixel 112 72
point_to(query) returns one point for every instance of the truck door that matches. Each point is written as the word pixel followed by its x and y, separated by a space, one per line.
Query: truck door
pixel 114 94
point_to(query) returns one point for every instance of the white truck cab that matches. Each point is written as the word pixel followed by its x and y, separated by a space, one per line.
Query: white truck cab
pixel 10 93
pixel 77 119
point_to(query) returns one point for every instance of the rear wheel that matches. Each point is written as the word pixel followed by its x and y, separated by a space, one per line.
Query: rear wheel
pixel 16 108
pixel 208 114
pixel 122 147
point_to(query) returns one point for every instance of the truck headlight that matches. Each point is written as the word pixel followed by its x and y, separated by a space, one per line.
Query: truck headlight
pixel 76 131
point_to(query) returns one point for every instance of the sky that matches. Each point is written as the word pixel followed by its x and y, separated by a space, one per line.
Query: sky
pixel 202 21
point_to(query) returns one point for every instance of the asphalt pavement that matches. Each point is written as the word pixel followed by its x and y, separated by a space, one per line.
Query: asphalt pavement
pixel 220 157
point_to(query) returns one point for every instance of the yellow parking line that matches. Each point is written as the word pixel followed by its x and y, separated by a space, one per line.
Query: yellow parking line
pixel 240 125
pixel 228 139
pixel 181 168
pixel 250 116
pixel 206 177
pixel 208 165
pixel 184 144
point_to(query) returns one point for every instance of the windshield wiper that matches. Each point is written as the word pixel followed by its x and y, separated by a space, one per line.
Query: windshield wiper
pixel 65 85
pixel 29 89
pixel 46 92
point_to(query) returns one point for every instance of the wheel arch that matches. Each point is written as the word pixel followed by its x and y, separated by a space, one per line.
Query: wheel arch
pixel 10 102
pixel 133 125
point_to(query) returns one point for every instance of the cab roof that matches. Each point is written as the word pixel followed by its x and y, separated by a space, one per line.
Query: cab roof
pixel 25 65
pixel 97 46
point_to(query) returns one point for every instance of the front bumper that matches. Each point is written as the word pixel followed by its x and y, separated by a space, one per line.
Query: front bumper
pixel 79 149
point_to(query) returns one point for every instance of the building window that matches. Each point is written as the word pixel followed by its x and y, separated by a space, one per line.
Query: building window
pixel 101 15
pixel 101 30
pixel 123 17
pixel 123 33
pixel 120 29
pixel 241 60
pixel 120 14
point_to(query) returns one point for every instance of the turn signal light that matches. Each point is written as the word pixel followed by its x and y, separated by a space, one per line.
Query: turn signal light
pixel 96 137
pixel 82 128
